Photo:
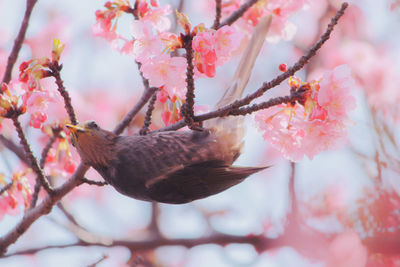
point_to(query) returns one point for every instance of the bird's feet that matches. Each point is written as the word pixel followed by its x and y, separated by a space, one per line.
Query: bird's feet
pixel 188 115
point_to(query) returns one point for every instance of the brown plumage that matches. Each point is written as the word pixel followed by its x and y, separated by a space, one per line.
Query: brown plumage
pixel 174 166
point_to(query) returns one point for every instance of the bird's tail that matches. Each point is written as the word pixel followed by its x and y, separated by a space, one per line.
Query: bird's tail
pixel 231 129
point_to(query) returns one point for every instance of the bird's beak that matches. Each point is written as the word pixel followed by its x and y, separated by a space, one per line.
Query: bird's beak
pixel 75 128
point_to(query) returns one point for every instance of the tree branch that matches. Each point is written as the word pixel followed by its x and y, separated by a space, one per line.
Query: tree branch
pixel 149 112
pixel 218 10
pixel 6 187
pixel 28 152
pixel 45 152
pixel 260 242
pixel 55 72
pixel 135 110
pixel 237 14
pixel 12 58
pixel 187 108
pixel 14 148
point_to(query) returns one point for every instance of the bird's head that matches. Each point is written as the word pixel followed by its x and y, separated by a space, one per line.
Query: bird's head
pixel 94 145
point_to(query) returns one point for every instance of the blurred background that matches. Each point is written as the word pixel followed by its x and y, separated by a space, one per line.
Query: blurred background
pixel 343 198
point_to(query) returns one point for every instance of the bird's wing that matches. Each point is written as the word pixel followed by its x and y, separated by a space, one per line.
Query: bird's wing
pixel 197 181
pixel 156 155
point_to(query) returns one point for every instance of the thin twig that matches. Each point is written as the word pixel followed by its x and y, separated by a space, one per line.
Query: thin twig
pixel 55 72
pixel 14 148
pixel 12 58
pixel 33 161
pixel 149 112
pixel 268 85
pixel 45 152
pixel 237 14
pixel 267 104
pixel 145 81
pixel 260 242
pixel 104 257
pixel 147 94
pixel 68 215
pixel 6 187
pixel 153 226
pixel 218 10
pixel 92 182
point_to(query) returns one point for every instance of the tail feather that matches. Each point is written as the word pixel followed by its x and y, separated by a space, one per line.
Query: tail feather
pixel 231 130
pixel 245 67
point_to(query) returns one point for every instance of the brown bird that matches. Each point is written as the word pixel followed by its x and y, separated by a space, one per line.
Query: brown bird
pixel 175 166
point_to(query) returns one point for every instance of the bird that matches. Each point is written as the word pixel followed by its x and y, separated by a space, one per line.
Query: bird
pixel 175 167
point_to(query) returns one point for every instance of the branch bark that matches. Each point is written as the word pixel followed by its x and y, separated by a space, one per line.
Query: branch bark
pixel 12 58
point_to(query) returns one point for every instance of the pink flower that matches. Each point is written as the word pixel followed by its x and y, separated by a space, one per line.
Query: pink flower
pixel 19 193
pixel 334 91
pixel 227 40
pixel 319 125
pixel 281 9
pixel 147 43
pixel 104 27
pixel 167 72
pixel 214 48
pixel 158 18
pixel 37 119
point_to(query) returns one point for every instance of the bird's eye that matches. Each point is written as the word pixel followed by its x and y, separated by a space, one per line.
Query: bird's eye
pixel 92 125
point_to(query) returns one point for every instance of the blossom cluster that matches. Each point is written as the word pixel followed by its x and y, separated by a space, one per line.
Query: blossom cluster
pixel 20 192
pixel 10 103
pixel 153 44
pixel 281 27
pixel 317 124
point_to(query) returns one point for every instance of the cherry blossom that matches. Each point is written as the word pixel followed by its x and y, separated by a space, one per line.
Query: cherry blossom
pixel 320 124
pixel 214 48
pixel 146 43
pixel 19 193
pixel 167 72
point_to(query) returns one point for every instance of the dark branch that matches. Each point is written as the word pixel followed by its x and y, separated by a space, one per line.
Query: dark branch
pixel 296 96
pixel 28 152
pixel 147 120
pixel 187 109
pixel 259 241
pixel 91 182
pixel 14 148
pixel 218 10
pixel 237 14
pixel 145 81
pixel 12 58
pixel 147 94
pixel 104 257
pixel 45 152
pixel 153 226
pixel 55 71
pixel 6 187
